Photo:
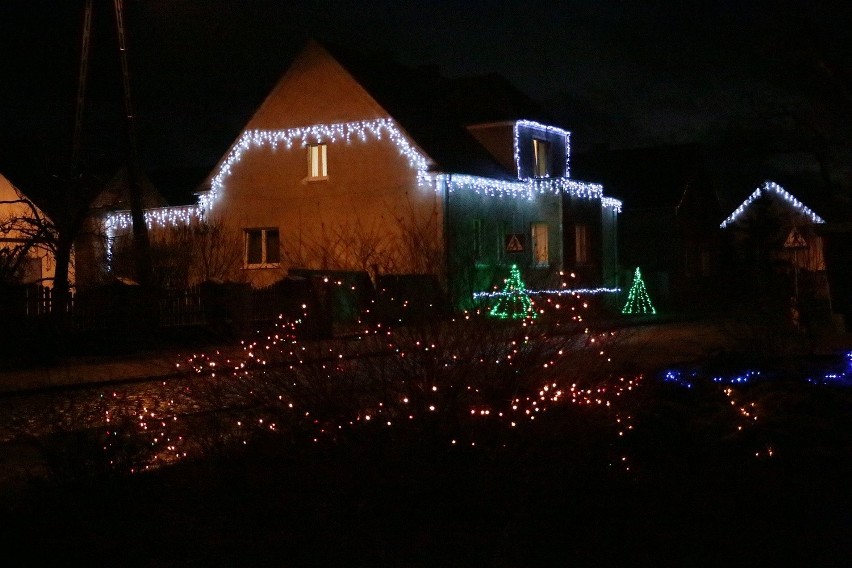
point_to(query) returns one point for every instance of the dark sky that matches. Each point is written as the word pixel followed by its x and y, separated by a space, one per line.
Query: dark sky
pixel 767 75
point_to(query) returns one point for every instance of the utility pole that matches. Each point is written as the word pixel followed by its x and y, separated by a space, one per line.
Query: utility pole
pixel 141 243
pixel 81 88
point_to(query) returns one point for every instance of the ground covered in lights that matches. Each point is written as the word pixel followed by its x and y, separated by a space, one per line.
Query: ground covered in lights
pixel 518 444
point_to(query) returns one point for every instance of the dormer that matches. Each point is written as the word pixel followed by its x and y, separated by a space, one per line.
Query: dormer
pixel 530 149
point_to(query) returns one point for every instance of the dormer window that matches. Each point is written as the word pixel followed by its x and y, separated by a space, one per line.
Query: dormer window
pixel 541 158
pixel 317 161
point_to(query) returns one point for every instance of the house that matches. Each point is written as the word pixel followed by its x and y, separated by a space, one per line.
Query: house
pixel 669 226
pixel 779 252
pixel 360 164
pixel 92 248
pixel 26 238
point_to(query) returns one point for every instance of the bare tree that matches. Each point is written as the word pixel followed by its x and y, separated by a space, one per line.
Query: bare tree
pixel 26 232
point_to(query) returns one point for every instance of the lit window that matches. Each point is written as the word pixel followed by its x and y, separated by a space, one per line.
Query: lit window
pixel 541 154
pixel 317 164
pixel 263 248
pixel 581 244
pixel 539 241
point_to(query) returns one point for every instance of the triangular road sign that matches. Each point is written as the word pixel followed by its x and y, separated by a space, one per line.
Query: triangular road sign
pixel 513 243
pixel 795 240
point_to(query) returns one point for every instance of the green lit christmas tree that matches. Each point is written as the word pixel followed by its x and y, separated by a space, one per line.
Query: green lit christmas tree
pixel 513 302
pixel 638 301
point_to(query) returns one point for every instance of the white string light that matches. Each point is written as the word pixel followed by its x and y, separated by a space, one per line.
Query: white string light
pixel 611 203
pixel 771 186
pixel 362 131
pixel 525 189
pixel 561 292
pixel 547 129
pixel 385 127
pixel 320 133
pixel 160 217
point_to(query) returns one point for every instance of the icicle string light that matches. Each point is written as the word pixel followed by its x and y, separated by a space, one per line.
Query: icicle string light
pixel 379 129
pixel 611 203
pixel 159 217
pixel 524 189
pixel 532 125
pixel 363 131
pixel 386 128
pixel 770 187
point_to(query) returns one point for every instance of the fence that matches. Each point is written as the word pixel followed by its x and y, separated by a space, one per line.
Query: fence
pixel 321 300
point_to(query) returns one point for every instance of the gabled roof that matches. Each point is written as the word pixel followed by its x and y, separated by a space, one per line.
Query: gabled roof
pixel 16 202
pixel 435 110
pixel 770 189
pixel 116 193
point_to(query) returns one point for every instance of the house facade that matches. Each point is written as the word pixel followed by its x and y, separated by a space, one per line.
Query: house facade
pixel 777 249
pixel 26 254
pixel 350 165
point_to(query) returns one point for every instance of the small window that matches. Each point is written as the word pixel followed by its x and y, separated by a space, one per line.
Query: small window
pixel 541 256
pixel 581 244
pixel 477 239
pixel 31 270
pixel 541 158
pixel 263 248
pixel 317 161
pixel 502 231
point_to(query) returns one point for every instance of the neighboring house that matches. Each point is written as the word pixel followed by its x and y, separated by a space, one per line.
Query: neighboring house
pixel 26 239
pixel 359 164
pixel 778 244
pixel 91 245
pixel 669 226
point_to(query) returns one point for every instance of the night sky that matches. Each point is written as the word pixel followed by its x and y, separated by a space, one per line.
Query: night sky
pixel 772 77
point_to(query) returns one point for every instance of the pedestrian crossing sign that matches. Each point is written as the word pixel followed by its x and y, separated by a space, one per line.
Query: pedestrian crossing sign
pixel 515 242
pixel 795 240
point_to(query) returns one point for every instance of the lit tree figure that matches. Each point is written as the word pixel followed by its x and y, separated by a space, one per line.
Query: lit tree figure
pixel 638 301
pixel 514 302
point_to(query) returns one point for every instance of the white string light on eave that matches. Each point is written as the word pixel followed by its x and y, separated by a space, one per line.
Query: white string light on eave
pixel 544 128
pixel 772 187
pixel 364 131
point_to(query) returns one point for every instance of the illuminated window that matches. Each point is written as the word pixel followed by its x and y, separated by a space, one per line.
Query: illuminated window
pixel 581 244
pixel 539 242
pixel 541 153
pixel 263 248
pixel 317 164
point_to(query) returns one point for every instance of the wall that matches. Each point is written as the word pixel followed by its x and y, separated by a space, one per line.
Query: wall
pixel 370 212
pixel 15 230
pixel 581 211
pixel 499 215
